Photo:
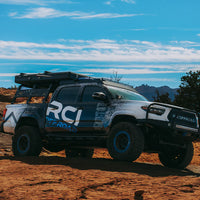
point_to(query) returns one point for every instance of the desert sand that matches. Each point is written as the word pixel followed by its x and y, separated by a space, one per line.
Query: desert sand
pixel 52 176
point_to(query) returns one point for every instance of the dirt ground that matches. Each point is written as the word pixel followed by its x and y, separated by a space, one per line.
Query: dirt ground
pixel 52 176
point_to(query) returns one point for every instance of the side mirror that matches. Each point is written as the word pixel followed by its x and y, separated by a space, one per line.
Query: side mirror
pixel 100 96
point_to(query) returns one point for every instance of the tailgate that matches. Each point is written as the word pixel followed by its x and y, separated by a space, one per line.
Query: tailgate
pixel 12 116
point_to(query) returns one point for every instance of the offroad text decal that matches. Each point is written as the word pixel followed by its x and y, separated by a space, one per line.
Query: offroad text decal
pixel 59 116
pixel 50 122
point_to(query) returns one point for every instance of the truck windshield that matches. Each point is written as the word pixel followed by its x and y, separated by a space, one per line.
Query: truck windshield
pixel 119 93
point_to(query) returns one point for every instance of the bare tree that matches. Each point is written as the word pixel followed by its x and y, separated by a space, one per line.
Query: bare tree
pixel 115 77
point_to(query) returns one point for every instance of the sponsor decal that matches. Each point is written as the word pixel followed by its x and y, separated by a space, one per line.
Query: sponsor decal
pixel 55 123
pixel 59 116
pixel 184 118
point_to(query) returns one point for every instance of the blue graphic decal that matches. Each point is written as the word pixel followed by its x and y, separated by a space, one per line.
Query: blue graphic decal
pixel 50 122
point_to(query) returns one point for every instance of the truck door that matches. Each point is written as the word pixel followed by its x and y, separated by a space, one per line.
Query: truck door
pixel 93 111
pixel 63 115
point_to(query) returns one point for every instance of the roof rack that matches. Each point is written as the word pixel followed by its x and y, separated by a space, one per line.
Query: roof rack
pixel 44 79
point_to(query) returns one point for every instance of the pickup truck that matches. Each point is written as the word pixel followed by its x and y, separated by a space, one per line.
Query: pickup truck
pixel 78 113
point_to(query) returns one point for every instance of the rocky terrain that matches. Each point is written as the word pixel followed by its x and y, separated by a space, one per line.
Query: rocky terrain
pixel 52 176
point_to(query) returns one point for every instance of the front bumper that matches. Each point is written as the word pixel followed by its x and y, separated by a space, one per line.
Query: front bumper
pixel 181 120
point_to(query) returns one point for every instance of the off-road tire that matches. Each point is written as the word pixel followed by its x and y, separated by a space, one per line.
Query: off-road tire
pixel 26 141
pixel 78 152
pixel 178 158
pixel 125 142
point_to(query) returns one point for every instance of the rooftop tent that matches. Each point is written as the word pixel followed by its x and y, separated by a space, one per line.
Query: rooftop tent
pixel 41 84
pixel 43 80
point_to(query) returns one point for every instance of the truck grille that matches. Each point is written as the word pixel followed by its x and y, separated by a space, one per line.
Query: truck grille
pixel 184 118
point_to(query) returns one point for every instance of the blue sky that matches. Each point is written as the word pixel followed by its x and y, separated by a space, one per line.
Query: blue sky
pixel 151 42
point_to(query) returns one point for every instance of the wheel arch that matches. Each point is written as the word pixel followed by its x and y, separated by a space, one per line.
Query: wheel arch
pixel 26 141
pixel 27 121
pixel 123 118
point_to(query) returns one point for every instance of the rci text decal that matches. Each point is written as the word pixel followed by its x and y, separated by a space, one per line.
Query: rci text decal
pixel 60 112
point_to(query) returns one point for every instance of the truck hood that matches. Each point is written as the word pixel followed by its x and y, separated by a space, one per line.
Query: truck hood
pixel 134 108
pixel 158 111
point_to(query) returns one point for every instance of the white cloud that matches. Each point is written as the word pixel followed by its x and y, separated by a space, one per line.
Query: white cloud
pixel 128 71
pixel 186 43
pixel 104 16
pixel 156 67
pixel 35 63
pixel 43 12
pixel 108 2
pixel 100 50
pixel 138 29
pixel 7 74
pixel 198 34
pixel 36 2
pixel 6 81
pixel 13 44
pixel 178 29
pixel 142 69
pixel 149 79
pixel 124 1
pixel 24 2
pixel 128 1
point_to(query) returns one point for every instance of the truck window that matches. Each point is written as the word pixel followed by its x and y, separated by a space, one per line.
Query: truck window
pixel 68 95
pixel 89 91
pixel 119 93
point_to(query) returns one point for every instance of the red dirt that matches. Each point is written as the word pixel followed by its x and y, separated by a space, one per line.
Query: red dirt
pixel 52 176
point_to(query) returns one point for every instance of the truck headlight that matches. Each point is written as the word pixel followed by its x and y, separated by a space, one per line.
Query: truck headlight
pixel 154 110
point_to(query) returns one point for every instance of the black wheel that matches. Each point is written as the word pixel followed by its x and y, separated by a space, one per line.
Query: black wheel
pixel 26 141
pixel 53 147
pixel 125 141
pixel 78 152
pixel 177 157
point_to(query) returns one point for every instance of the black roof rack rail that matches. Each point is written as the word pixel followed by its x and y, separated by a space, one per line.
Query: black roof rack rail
pixel 118 84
